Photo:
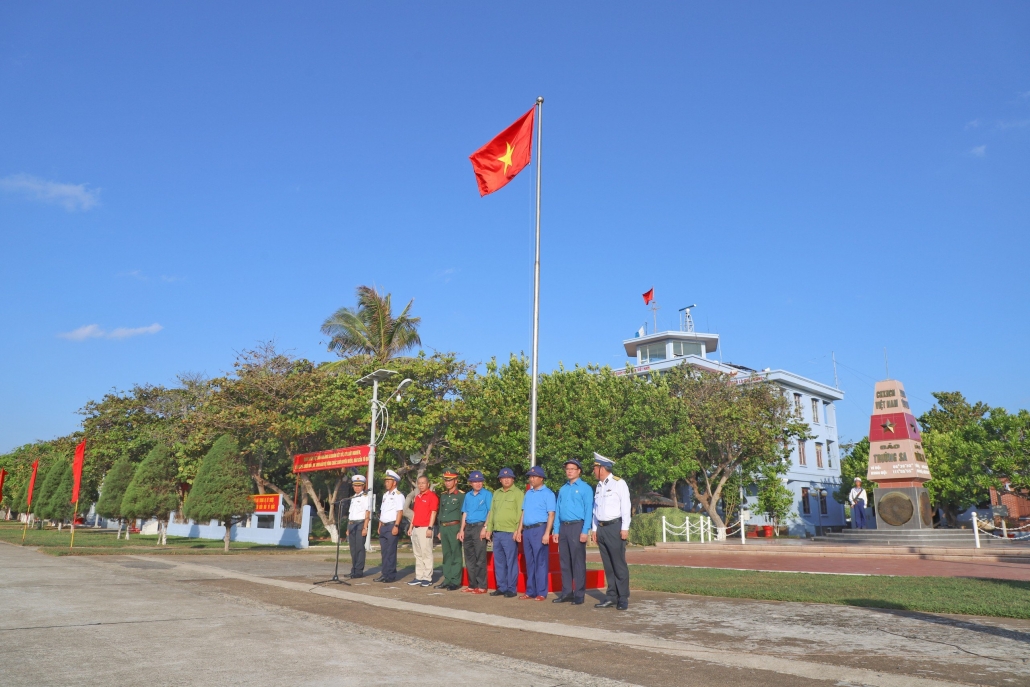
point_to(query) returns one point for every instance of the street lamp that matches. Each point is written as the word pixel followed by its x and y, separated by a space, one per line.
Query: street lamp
pixel 379 414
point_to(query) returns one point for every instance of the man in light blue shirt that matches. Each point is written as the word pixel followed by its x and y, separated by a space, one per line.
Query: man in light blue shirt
pixel 573 517
pixel 472 533
pixel 537 517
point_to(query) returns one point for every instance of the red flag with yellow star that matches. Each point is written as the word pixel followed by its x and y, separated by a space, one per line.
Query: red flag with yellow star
pixel 497 163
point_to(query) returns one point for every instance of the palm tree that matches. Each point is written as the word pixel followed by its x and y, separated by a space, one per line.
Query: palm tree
pixel 371 330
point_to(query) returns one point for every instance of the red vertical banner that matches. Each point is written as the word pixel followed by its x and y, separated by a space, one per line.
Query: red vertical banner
pixel 80 457
pixel 3 474
pixel 32 484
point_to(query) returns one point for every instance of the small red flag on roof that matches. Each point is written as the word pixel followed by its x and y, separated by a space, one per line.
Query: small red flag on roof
pixel 649 296
pixel 497 163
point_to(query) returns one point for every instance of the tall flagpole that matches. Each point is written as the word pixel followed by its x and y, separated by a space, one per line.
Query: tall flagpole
pixel 536 294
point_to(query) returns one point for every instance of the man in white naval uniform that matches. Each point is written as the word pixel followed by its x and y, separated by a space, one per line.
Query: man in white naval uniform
pixel 391 511
pixel 611 529
pixel 357 526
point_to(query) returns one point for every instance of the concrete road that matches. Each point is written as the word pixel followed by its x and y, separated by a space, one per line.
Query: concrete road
pixel 249 609
pixel 124 621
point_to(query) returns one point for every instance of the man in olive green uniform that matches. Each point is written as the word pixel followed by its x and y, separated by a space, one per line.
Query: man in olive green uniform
pixel 450 524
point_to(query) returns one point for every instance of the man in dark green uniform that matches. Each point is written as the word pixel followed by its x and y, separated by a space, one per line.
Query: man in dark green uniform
pixel 450 524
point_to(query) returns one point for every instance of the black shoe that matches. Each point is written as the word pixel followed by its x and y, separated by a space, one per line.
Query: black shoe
pixel 442 585
pixel 622 606
pixel 577 602
pixel 379 579
pixel 356 576
pixel 453 587
pixel 561 599
pixel 497 592
pixel 607 603
pixel 510 595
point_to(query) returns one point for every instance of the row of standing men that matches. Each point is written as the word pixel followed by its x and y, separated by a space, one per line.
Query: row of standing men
pixel 536 517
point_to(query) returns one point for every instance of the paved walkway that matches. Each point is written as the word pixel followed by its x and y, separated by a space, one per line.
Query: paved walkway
pixel 910 566
pixel 664 639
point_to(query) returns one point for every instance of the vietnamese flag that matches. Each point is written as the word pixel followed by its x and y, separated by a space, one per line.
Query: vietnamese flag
pixel 497 163
pixel 649 296
pixel 32 484
pixel 80 457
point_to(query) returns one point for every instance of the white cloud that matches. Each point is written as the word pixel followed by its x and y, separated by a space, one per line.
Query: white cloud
pixel 94 331
pixel 1014 124
pixel 126 332
pixel 973 124
pixel 979 151
pixel 69 196
pixel 89 331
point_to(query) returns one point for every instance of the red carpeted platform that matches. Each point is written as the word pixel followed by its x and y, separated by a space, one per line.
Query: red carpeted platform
pixel 595 578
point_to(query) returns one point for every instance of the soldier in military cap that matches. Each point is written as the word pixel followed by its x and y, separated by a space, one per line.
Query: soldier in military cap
pixel 450 526
pixel 611 530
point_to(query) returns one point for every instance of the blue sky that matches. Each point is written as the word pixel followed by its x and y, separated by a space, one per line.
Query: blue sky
pixel 181 181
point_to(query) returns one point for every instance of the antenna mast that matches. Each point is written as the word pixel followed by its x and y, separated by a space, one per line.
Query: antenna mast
pixel 686 321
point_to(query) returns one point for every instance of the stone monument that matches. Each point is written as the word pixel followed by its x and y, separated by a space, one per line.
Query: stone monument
pixel 897 462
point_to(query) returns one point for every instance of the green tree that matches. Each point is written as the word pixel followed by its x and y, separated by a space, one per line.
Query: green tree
pixel 959 453
pixel 370 330
pixel 774 498
pixel 743 424
pixel 855 463
pixel 45 489
pixel 153 490
pixel 221 489
pixel 116 481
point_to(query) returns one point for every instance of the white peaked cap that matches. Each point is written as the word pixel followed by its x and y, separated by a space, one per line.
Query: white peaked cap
pixel 393 475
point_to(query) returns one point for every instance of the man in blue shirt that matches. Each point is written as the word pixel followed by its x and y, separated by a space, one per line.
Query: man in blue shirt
pixel 573 517
pixel 472 532
pixel 535 533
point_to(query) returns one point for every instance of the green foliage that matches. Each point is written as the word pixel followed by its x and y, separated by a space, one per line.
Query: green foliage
pixel 152 492
pixel 855 463
pixel 116 481
pixel 221 490
pixel 59 503
pixel 744 426
pixel 774 498
pixel 47 485
pixel 960 452
pixel 645 529
pixel 370 331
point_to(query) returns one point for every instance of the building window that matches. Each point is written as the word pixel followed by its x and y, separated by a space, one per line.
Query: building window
pixel 801 454
pixel 823 506
pixel 681 348
pixel 806 506
pixel 829 454
pixel 818 455
pixel 797 405
pixel 652 353
pixel 815 410
pixel 829 416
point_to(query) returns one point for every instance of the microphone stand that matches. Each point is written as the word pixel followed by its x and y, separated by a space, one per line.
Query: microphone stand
pixel 335 579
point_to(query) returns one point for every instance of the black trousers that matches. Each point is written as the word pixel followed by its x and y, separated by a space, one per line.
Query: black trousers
pixel 357 548
pixel 613 555
pixel 573 555
pixel 474 547
pixel 388 546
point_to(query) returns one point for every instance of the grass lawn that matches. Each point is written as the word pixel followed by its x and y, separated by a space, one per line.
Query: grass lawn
pixel 968 596
pixel 99 542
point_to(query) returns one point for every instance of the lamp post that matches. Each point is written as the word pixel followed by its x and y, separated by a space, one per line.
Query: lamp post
pixel 379 411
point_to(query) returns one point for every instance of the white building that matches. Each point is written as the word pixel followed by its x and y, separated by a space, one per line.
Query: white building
pixel 815 464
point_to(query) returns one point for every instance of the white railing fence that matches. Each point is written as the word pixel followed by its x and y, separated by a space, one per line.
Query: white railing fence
pixel 988 528
pixel 701 530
